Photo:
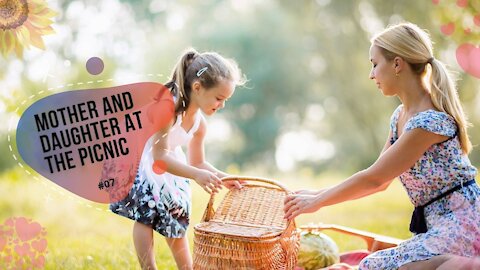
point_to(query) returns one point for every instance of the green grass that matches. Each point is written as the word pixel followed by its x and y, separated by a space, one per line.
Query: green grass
pixel 85 235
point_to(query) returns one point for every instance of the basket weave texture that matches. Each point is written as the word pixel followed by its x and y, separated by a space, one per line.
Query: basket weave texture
pixel 247 230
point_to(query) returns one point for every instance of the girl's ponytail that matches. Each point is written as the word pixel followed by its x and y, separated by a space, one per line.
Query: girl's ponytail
pixel 181 90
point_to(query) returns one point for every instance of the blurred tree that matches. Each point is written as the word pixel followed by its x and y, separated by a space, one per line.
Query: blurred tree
pixel 341 31
pixel 307 64
pixel 268 50
pixel 273 62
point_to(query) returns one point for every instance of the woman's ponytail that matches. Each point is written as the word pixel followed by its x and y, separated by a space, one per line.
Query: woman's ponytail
pixel 445 98
pixel 415 47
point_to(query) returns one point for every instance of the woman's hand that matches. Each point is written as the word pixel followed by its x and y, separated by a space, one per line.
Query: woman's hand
pixel 296 204
pixel 208 181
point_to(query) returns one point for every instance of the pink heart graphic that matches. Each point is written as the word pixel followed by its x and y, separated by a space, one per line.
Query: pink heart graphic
pixel 462 3
pixel 39 262
pixel 27 230
pixel 476 20
pixel 468 57
pixel 40 245
pixel 31 253
pixel 8 233
pixel 3 243
pixel 23 249
pixel 448 29
pixel 9 222
pixel 435 2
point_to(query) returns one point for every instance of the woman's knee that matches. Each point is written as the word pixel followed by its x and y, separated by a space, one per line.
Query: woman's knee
pixel 406 267
pixel 378 260
pixel 367 263
pixel 413 266
pixel 431 263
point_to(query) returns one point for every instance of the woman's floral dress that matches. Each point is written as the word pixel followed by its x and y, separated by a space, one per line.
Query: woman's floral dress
pixel 453 222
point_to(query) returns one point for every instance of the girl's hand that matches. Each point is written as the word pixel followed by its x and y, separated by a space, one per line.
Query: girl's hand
pixel 208 181
pixel 296 204
pixel 234 184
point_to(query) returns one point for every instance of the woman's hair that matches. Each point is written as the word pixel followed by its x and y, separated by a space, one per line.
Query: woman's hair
pixel 411 43
pixel 208 68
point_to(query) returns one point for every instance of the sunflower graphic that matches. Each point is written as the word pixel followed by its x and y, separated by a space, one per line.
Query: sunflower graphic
pixel 22 23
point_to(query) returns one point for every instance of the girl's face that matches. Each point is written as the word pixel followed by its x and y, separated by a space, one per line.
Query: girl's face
pixel 213 99
pixel 383 71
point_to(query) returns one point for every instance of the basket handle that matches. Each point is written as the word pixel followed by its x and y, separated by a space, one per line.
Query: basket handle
pixel 290 236
pixel 256 179
pixel 209 212
pixel 374 241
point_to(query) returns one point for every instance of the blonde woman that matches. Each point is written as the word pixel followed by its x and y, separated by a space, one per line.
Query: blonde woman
pixel 427 149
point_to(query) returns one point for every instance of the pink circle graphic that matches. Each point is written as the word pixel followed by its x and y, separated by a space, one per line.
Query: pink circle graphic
pixel 448 29
pixel 468 57
pixel 462 3
pixel 476 20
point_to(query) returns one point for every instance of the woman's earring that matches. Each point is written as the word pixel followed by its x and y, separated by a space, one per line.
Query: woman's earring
pixel 396 74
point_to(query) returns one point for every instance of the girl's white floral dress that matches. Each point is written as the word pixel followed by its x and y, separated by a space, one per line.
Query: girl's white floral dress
pixel 162 201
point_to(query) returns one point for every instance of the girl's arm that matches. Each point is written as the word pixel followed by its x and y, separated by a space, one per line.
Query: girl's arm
pixel 207 180
pixel 196 154
pixel 396 159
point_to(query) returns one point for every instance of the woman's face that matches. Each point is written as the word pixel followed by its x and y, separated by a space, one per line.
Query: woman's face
pixel 383 72
pixel 213 99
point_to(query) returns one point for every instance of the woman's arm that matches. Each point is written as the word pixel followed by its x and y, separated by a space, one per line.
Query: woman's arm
pixel 387 182
pixel 396 159
pixel 196 154
pixel 207 180
pixel 387 143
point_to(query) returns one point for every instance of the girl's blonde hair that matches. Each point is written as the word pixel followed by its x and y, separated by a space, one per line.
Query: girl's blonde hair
pixel 208 68
pixel 411 43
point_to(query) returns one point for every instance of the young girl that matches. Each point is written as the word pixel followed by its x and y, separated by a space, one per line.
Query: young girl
pixel 427 148
pixel 201 83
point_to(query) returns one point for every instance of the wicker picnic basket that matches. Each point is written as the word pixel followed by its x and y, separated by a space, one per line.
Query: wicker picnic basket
pixel 247 230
